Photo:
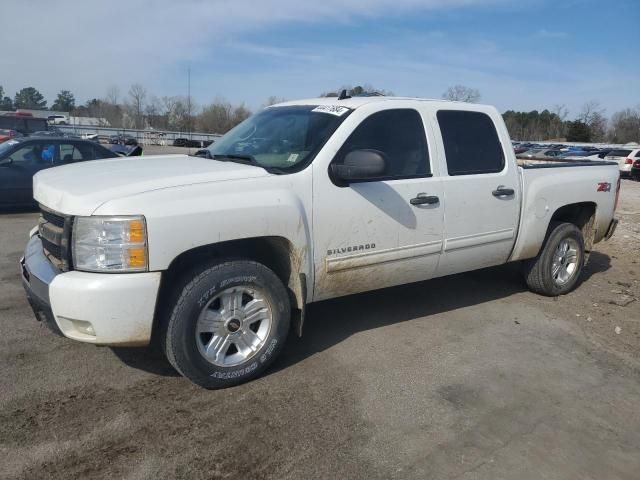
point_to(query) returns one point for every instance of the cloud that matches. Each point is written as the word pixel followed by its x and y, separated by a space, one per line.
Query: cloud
pixel 234 51
pixel 87 46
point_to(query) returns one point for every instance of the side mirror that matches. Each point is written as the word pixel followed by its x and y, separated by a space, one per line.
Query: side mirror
pixel 360 165
pixel 6 162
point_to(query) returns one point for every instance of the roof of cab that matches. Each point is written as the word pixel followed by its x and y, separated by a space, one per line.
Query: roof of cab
pixel 355 102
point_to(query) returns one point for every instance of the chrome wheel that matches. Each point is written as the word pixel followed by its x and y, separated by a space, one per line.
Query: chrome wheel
pixel 565 261
pixel 233 326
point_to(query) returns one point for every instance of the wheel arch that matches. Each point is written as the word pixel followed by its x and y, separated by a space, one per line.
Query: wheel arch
pixel 275 252
pixel 582 215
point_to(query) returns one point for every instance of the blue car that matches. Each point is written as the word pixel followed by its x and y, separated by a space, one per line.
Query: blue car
pixel 21 158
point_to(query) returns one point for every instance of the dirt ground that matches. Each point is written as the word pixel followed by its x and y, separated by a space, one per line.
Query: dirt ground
pixel 469 376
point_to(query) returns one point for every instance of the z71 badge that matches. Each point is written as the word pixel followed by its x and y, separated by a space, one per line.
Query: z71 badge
pixel 604 187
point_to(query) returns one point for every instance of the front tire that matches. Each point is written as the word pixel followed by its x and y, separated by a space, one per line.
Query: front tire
pixel 556 270
pixel 228 324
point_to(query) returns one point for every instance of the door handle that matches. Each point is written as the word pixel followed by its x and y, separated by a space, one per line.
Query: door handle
pixel 502 191
pixel 422 199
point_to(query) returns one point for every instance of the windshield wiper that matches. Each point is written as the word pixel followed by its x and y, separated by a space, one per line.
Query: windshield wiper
pixel 250 159
pixel 246 160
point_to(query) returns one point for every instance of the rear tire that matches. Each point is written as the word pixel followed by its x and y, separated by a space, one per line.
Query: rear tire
pixel 228 324
pixel 556 270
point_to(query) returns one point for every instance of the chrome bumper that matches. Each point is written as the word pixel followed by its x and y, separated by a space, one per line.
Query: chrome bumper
pixel 37 275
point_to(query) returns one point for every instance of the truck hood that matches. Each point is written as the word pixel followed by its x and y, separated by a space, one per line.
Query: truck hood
pixel 81 188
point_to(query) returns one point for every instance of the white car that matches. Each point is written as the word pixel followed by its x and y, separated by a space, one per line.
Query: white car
pixel 216 256
pixel 57 120
pixel 624 157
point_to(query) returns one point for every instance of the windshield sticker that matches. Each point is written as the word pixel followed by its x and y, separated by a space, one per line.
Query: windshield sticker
pixel 293 157
pixel 336 110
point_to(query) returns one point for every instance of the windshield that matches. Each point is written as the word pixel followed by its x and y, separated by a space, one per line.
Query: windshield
pixel 6 146
pixel 282 138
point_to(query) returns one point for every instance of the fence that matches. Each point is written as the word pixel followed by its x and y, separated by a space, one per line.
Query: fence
pixel 144 137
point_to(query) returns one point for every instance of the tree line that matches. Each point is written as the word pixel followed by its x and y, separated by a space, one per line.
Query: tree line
pixel 138 108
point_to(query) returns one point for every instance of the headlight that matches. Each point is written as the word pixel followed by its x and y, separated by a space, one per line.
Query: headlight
pixel 110 244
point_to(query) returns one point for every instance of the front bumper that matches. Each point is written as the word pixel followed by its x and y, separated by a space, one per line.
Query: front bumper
pixel 99 308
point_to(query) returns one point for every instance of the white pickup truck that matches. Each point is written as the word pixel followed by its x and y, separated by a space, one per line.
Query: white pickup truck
pixel 215 256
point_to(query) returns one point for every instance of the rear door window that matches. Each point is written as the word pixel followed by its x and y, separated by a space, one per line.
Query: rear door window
pixel 76 152
pixel 38 153
pixel 471 143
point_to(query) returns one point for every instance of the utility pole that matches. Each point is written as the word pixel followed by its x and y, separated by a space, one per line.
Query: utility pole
pixel 189 104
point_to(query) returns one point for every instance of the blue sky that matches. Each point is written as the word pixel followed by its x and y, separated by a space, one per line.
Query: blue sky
pixel 520 54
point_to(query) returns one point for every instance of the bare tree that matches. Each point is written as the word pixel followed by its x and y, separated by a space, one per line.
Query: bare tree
pixel 112 95
pixel 460 93
pixel 137 96
pixel 272 100
pixel 592 114
pixel 221 116
pixel 153 112
pixel 176 111
pixel 557 127
pixel 625 126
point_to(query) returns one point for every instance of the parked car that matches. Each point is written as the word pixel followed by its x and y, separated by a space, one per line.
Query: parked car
pixel 624 157
pixel 57 120
pixel 531 153
pixel 6 134
pixel 24 123
pixel 541 154
pixel 302 202
pixel 123 139
pixel 586 155
pixel 54 132
pixel 127 150
pixel 185 142
pixel 21 158
pixel 635 170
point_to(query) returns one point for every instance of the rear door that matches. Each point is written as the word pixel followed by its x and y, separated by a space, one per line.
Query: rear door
pixel 481 189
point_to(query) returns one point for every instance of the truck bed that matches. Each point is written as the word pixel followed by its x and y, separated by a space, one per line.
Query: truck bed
pixel 558 162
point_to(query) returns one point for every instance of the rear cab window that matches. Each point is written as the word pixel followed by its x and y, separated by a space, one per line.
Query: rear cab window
pixel 471 143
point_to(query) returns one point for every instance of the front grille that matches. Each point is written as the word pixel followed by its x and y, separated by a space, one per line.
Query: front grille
pixel 54 218
pixel 55 234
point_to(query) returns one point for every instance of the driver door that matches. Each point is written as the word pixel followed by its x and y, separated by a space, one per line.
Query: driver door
pixel 368 234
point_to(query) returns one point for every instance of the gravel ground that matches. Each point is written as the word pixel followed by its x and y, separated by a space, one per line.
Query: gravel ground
pixel 469 376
